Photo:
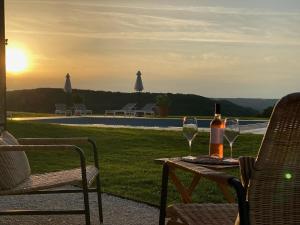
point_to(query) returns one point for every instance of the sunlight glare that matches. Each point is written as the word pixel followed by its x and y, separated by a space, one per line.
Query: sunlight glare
pixel 288 176
pixel 16 60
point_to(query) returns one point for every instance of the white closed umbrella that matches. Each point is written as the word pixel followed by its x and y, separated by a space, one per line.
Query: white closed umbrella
pixel 68 86
pixel 138 87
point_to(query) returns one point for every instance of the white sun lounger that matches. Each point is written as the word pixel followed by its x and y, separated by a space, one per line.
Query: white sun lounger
pixel 126 110
pixel 80 109
pixel 60 109
pixel 148 109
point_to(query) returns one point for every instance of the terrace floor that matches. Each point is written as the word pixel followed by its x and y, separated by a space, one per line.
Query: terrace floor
pixel 117 211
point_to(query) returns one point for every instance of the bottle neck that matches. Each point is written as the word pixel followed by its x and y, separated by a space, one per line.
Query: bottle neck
pixel 217 116
pixel 217 110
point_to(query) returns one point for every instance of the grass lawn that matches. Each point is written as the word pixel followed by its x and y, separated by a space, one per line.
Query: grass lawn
pixel 126 157
pixel 29 114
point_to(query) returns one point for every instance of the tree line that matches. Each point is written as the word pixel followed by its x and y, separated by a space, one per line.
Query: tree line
pixel 43 100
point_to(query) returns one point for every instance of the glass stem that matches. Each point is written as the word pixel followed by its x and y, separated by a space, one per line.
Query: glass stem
pixel 190 145
pixel 230 144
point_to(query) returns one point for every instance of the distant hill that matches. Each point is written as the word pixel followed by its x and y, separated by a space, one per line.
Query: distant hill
pixel 43 100
pixel 258 104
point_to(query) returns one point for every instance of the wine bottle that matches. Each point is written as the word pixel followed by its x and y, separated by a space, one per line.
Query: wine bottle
pixel 216 134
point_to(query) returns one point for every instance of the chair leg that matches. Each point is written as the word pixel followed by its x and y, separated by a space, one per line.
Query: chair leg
pixel 86 203
pixel 98 184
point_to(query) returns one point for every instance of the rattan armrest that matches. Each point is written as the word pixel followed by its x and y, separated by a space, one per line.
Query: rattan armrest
pixel 53 141
pixel 40 148
pixel 73 148
pixel 62 141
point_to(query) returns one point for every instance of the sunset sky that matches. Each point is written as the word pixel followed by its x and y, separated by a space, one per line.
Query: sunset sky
pixel 219 48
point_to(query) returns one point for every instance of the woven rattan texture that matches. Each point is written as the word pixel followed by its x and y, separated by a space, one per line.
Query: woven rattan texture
pixel 203 214
pixel 53 179
pixel 246 169
pixel 14 166
pixel 274 191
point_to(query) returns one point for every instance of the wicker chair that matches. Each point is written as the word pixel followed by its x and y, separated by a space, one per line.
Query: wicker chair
pixel 41 183
pixel 271 181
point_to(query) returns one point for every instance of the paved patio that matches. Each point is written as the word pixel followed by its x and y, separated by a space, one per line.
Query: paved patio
pixel 117 211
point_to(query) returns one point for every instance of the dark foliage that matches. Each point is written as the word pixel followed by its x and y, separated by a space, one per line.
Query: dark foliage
pixel 163 100
pixel 267 112
pixel 44 99
pixel 77 99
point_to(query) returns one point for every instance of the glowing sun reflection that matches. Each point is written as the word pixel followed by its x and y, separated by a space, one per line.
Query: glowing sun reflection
pixel 16 60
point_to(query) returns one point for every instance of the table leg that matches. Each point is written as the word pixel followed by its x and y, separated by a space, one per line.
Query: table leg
pixel 185 197
pixel 228 196
pixel 185 193
pixel 194 183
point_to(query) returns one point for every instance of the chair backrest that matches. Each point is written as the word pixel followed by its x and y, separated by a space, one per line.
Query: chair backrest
pixel 149 107
pixel 129 106
pixel 80 106
pixel 274 189
pixel 60 106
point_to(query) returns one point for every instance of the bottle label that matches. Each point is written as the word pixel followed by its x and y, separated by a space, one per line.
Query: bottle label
pixel 216 135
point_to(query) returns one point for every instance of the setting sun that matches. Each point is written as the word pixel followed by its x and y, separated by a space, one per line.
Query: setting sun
pixel 16 60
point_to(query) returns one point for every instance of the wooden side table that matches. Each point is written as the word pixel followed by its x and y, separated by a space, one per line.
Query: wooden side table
pixel 211 172
pixel 198 171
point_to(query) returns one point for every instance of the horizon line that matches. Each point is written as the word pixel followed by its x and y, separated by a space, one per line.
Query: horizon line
pixel 146 92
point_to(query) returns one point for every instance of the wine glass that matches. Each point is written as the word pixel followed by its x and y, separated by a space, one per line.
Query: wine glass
pixel 190 130
pixel 231 132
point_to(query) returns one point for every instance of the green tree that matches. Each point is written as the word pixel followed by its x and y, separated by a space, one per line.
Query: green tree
pixel 267 112
pixel 77 99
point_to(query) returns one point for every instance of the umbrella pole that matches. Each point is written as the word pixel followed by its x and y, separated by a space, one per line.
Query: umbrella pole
pixel 138 98
pixel 69 100
pixel 2 69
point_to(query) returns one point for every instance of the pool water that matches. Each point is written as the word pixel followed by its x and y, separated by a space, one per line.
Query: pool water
pixel 135 122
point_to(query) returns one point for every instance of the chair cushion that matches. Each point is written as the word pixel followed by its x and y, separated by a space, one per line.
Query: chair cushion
pixel 14 166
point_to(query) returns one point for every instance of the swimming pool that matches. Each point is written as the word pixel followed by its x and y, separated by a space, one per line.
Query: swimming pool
pixel 131 121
